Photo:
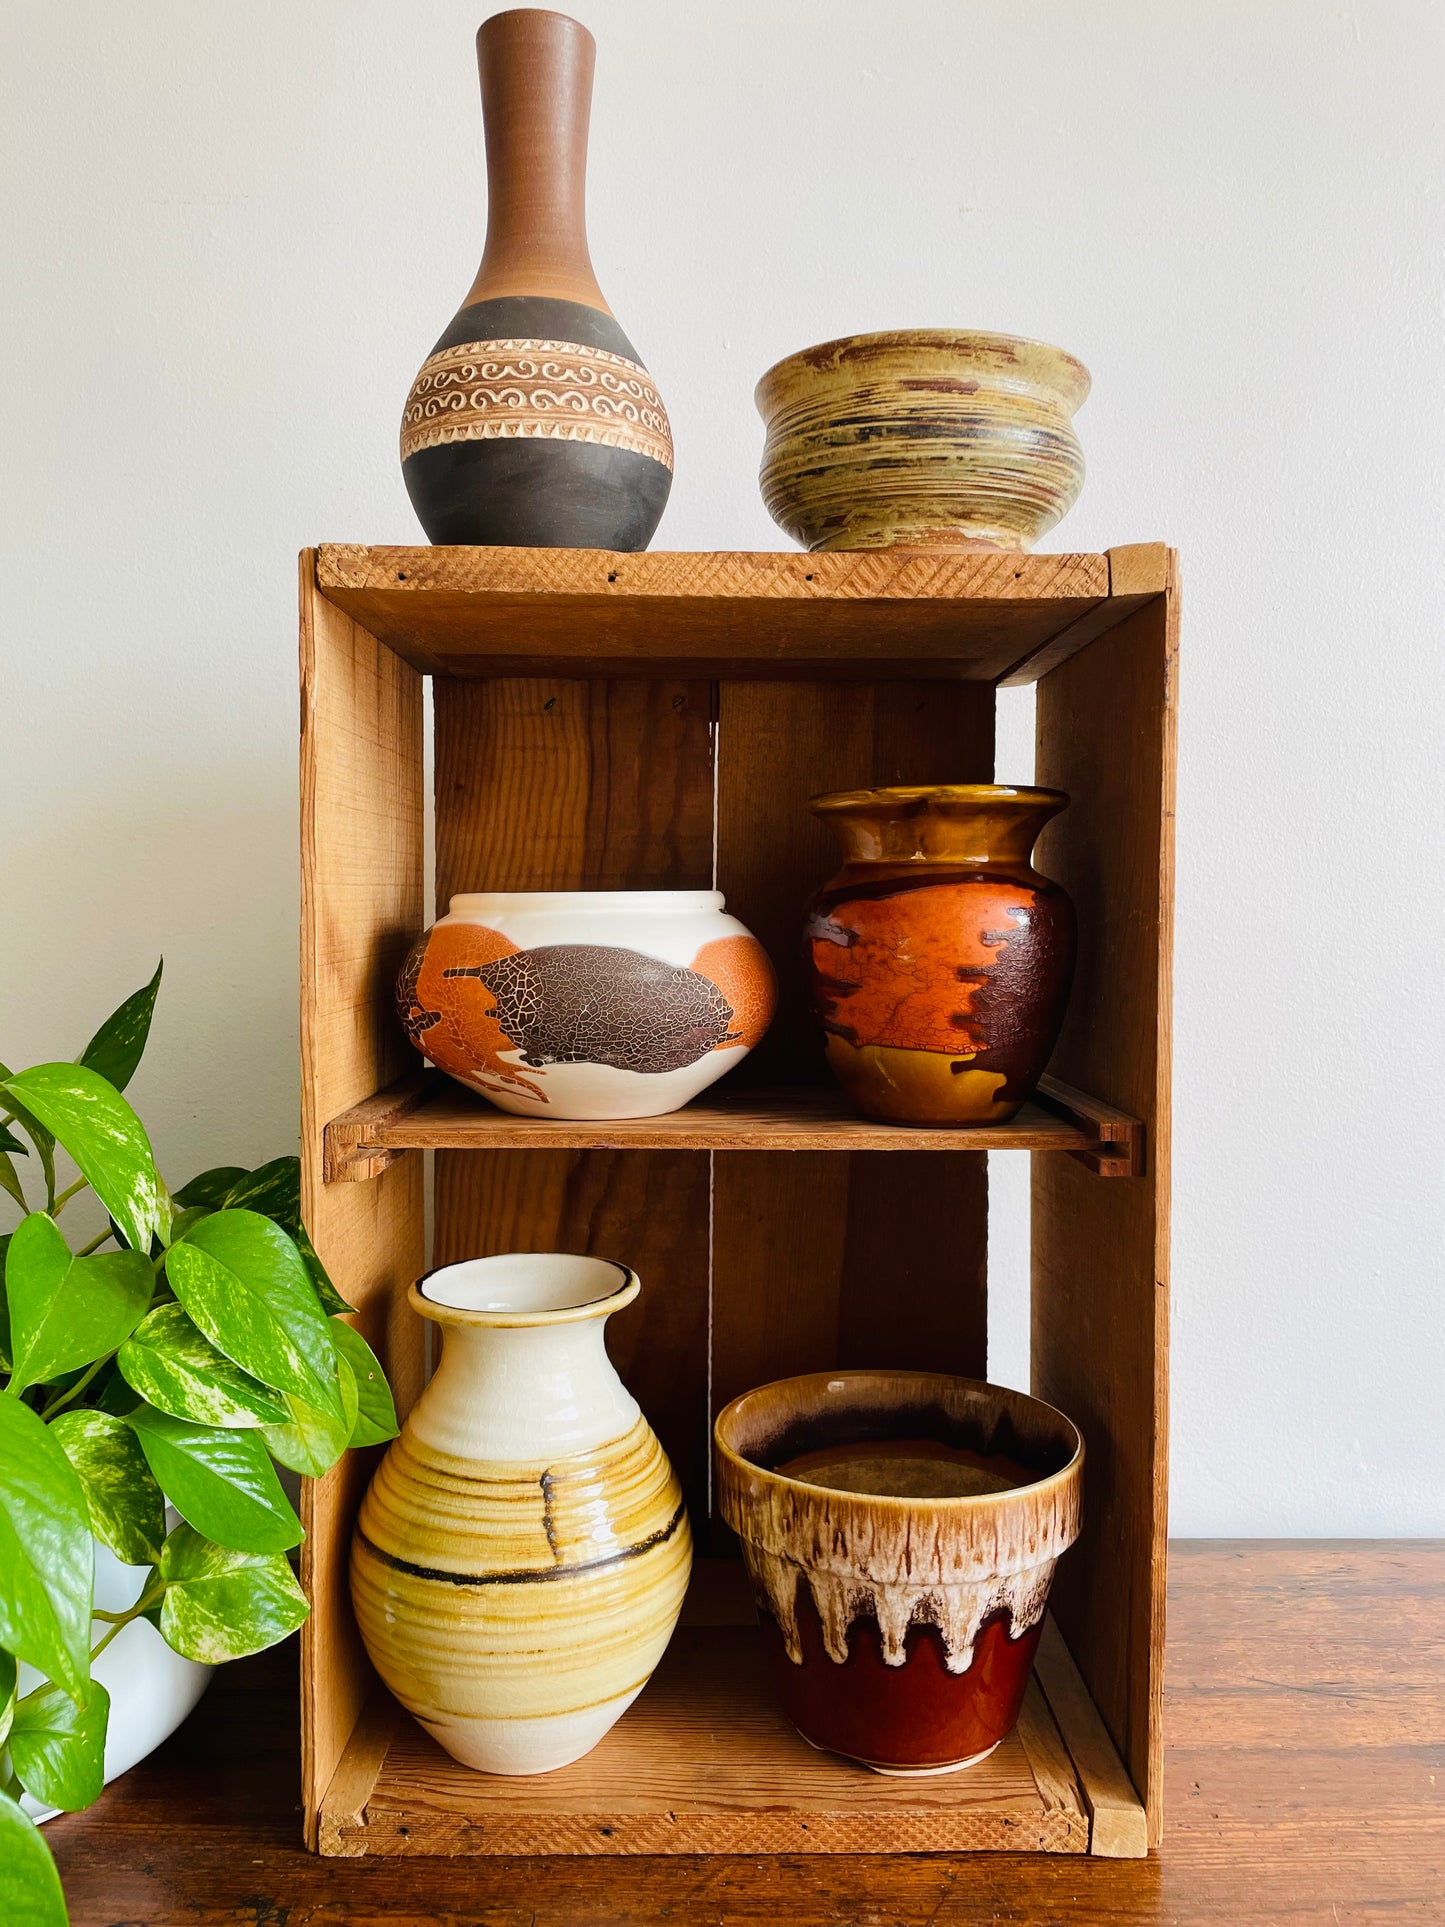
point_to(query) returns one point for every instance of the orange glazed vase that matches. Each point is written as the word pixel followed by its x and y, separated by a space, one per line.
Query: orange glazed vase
pixel 939 960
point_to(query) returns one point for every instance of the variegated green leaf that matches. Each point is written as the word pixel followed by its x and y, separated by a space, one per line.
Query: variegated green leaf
pixel 176 1368
pixel 312 1441
pixel 221 1604
pixel 127 1511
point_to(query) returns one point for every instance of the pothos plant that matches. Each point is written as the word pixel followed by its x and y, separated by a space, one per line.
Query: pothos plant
pixel 171 1359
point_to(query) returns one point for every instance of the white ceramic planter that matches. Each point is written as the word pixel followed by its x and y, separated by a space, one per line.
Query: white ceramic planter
pixel 520 1559
pixel 587 1003
pixel 152 1687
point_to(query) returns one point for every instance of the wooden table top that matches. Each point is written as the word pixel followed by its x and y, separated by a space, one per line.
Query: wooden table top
pixel 1305 1721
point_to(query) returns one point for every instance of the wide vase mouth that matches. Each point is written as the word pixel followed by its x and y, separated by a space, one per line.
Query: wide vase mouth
pixel 963 823
pixel 915 798
pixel 524 1288
pixel 480 904
pixel 911 354
pixel 763 1434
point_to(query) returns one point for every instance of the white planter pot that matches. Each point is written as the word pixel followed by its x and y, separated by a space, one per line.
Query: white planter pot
pixel 152 1688
pixel 587 1003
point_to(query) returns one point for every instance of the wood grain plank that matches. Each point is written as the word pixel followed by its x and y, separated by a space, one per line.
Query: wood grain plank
pixel 805 1248
pixel 361 903
pixel 1106 734
pixel 566 785
pixel 593 786
pixel 706 1763
pixel 1118 1826
pixel 895 612
pixel 436 1114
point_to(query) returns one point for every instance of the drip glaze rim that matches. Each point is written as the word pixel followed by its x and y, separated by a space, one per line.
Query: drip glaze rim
pixel 956 1506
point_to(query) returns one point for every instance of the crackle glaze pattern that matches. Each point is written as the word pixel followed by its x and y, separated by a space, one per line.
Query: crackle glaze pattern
pixel 520 1558
pixel 942 1593
pixel 587 1004
pixel 939 960
pixel 934 438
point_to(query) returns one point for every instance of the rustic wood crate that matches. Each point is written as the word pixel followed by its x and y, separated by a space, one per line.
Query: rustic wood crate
pixel 612 721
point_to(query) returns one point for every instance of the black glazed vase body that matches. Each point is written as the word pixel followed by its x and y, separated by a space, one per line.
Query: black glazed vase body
pixel 532 423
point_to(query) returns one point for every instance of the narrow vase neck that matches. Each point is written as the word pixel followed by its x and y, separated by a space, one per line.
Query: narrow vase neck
pixel 526 1393
pixel 536 74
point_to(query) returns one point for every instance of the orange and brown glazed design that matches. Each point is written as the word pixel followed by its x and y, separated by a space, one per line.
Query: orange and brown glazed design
pixel 468 996
pixel 939 959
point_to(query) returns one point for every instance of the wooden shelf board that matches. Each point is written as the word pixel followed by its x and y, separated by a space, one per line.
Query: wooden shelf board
pixel 974 616
pixel 704 1762
pixel 432 1113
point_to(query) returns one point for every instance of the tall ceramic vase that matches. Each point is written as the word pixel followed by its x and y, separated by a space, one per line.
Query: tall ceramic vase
pixel 532 422
pixel 521 1556
pixel 940 960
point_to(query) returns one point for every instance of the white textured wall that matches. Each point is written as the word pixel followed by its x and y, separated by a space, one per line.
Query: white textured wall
pixel 231 233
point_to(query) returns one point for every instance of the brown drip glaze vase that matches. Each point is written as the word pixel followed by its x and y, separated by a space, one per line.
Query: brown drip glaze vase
pixel 939 960
pixel 532 423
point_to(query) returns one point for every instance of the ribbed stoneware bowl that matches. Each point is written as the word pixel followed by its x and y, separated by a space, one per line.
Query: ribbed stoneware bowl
pixel 934 438
pixel 901 1531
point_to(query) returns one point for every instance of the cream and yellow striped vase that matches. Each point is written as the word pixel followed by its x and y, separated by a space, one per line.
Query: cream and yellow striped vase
pixel 520 1559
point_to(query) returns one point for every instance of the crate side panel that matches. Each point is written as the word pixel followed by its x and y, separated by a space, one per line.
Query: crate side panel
pixel 607 784
pixel 1106 734
pixel 821 1259
pixel 361 891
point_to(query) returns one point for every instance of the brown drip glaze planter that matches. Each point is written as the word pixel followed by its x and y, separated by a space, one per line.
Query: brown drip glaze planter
pixel 939 960
pixel 900 1530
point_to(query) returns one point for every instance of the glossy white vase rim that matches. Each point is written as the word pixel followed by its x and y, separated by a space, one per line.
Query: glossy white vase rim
pixel 524 1288
pixel 632 903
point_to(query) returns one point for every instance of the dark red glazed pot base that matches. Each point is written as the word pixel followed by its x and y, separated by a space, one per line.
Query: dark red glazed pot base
pixel 911 1717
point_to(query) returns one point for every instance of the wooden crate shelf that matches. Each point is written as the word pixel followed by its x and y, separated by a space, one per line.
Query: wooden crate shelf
pixel 584 612
pixel 705 1763
pixel 659 721
pixel 432 1113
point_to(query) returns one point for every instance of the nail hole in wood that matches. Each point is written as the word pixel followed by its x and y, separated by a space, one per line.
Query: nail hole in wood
pixel 612 576
pixel 550 702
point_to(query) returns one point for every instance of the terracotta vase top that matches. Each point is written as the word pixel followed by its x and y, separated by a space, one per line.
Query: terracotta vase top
pixel 536 70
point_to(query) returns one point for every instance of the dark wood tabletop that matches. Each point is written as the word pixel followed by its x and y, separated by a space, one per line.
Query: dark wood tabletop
pixel 1305 1783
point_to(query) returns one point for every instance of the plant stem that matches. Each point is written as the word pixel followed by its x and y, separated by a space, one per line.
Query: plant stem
pixel 96 1242
pixel 69 1192
pixel 150 1597
pixel 64 1398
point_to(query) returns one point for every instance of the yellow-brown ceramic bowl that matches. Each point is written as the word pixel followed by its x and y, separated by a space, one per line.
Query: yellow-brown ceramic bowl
pixel 935 438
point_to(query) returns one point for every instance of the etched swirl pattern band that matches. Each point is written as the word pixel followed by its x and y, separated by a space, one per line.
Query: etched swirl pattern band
pixel 490 390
